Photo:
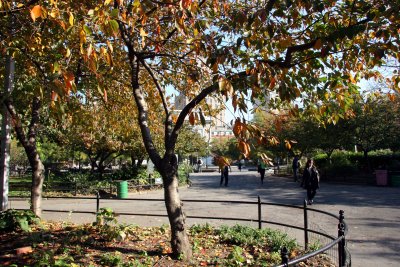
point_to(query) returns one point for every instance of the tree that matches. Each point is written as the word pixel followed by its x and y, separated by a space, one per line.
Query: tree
pixel 372 127
pixel 190 142
pixel 307 52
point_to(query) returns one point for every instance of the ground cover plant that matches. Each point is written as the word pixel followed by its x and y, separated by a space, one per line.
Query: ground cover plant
pixel 105 243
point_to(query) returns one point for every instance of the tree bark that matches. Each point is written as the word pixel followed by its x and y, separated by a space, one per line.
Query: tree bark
pixel 37 180
pixel 179 238
pixel 28 141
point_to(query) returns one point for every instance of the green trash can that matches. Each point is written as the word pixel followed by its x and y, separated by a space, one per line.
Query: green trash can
pixel 395 180
pixel 122 189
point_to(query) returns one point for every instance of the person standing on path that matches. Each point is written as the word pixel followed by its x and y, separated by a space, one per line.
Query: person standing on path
pixel 295 167
pixel 199 165
pixel 310 180
pixel 225 175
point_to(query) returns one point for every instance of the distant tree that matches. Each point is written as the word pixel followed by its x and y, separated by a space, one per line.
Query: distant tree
pixel 190 143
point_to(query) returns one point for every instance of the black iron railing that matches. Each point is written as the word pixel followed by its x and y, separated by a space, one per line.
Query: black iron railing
pixel 343 258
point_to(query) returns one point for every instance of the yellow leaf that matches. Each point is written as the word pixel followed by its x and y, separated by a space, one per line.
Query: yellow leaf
pixel 107 2
pixel 142 32
pixel 89 50
pixel 110 47
pixel 288 145
pixel 36 12
pixel 225 86
pixel 71 19
pixel 68 53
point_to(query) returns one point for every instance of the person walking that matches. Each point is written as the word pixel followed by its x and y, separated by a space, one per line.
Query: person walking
pixel 261 170
pixel 295 167
pixel 225 175
pixel 310 180
pixel 199 165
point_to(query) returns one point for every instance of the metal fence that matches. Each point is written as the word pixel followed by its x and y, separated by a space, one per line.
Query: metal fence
pixel 331 245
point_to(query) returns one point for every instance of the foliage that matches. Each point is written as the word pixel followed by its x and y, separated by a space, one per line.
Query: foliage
pixel 13 220
pixel 305 56
pixel 17 155
pixel 58 244
pixel 105 216
pixel 345 163
pixel 246 236
pixel 190 142
pixel 184 170
pixel 226 147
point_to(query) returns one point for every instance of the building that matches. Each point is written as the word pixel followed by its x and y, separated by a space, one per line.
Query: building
pixel 215 127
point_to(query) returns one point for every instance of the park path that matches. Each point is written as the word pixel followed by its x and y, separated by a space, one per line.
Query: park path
pixel 372 213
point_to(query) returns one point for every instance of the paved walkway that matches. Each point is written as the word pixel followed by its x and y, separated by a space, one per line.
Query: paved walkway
pixel 372 213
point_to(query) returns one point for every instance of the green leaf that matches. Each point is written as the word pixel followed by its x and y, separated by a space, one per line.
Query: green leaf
pixel 115 13
pixel 114 26
pixel 87 29
pixel 23 223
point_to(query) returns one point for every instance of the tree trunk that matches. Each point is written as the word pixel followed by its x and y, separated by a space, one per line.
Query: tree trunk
pixel 28 141
pixel 179 238
pixel 37 180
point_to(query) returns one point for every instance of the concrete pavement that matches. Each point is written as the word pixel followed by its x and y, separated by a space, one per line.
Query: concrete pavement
pixel 372 213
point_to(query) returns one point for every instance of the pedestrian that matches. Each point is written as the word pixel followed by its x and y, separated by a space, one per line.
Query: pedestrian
pixel 295 166
pixel 261 169
pixel 240 166
pixel 225 175
pixel 199 165
pixel 310 180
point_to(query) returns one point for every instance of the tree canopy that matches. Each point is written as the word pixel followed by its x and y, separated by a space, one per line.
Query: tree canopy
pixel 305 56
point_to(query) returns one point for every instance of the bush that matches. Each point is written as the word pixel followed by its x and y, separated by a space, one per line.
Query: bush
pixel 12 220
pixel 247 236
pixel 184 169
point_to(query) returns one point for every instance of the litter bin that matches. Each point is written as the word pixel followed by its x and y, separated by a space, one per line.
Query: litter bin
pixel 122 189
pixel 395 180
pixel 381 177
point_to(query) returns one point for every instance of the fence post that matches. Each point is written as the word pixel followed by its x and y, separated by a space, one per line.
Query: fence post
pixel 342 243
pixel 305 226
pixel 259 213
pixel 284 256
pixel 97 202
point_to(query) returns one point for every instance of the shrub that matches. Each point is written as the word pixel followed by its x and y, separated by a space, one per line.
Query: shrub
pixel 12 220
pixel 247 236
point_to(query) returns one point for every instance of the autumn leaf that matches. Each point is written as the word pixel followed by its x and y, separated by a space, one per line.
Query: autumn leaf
pixel 288 145
pixel 237 127
pixel 36 12
pixel 143 33
pixel 71 19
pixel 225 86
pixel 192 118
pixel 105 96
pixel 114 26
pixel 318 44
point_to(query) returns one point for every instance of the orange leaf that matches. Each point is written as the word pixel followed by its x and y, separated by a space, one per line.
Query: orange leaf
pixel 105 96
pixel 238 127
pixel 191 118
pixel 272 83
pixel 318 44
pixel 36 12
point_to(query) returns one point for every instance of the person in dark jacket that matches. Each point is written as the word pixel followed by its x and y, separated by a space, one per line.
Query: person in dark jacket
pixel 295 167
pixel 225 175
pixel 310 180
